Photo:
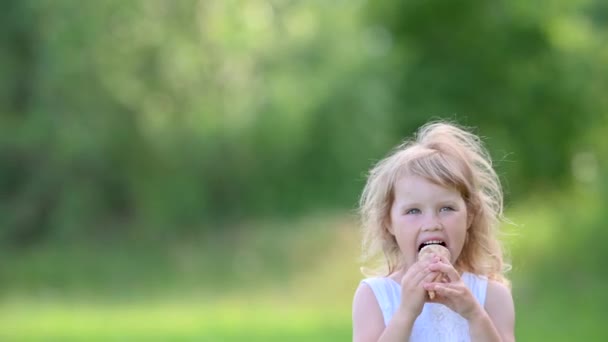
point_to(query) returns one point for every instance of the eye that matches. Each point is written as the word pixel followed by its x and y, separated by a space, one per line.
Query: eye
pixel 447 209
pixel 412 211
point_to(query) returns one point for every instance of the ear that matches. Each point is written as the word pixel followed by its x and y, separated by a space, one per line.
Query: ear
pixel 388 226
pixel 471 214
pixel 474 210
pixel 470 218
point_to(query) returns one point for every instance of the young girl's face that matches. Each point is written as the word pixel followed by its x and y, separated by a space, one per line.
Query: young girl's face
pixel 423 211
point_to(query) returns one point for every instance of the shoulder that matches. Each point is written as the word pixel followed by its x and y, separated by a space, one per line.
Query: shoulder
pixel 365 300
pixel 499 306
pixel 498 295
pixel 368 322
pixel 364 296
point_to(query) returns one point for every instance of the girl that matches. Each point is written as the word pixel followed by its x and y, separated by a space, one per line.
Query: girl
pixel 439 188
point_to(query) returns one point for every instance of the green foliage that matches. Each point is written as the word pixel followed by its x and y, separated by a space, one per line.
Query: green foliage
pixel 158 118
pixel 139 139
pixel 520 73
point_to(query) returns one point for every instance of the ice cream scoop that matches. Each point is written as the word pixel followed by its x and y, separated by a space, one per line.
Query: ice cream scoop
pixel 427 252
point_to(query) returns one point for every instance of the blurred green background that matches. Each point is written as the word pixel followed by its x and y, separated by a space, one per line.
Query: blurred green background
pixel 189 170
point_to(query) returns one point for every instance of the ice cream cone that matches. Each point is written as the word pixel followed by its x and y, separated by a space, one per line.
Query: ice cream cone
pixel 428 252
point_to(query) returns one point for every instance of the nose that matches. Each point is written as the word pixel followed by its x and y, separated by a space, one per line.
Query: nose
pixel 432 223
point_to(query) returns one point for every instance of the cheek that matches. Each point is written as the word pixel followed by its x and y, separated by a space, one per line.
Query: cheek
pixel 458 223
pixel 404 223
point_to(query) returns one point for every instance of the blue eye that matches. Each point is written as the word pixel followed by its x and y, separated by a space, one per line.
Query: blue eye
pixel 413 211
pixel 446 209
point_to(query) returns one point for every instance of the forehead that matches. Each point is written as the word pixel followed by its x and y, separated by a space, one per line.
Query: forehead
pixel 417 188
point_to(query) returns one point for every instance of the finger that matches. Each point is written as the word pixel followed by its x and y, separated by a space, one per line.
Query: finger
pixel 422 274
pixel 447 269
pixel 450 274
pixel 431 277
pixel 413 272
pixel 438 277
pixel 443 290
pixel 421 270
pixel 416 267
pixel 444 260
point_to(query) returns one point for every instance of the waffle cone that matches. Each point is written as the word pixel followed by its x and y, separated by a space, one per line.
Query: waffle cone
pixel 428 252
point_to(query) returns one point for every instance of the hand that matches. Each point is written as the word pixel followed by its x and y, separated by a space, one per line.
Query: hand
pixel 413 294
pixel 453 292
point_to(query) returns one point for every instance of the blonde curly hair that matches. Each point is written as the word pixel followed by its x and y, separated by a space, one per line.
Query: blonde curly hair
pixel 450 156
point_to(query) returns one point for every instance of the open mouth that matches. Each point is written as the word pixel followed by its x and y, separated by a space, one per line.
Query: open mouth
pixel 432 242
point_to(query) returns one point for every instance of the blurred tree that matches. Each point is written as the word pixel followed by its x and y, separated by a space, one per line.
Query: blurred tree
pixel 151 118
pixel 499 66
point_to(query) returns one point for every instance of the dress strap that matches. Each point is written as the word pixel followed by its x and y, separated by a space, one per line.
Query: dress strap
pixel 478 286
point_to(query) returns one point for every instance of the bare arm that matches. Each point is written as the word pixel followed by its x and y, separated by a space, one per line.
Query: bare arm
pixel 497 321
pixel 368 322
pixel 500 310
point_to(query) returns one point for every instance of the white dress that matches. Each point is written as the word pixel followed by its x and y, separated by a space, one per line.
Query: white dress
pixel 436 322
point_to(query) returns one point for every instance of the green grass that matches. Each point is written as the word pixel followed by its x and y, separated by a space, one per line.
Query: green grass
pixel 264 283
pixel 553 316
pixel 280 281
pixel 560 316
pixel 195 319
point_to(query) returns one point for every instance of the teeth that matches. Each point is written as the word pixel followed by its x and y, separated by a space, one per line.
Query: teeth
pixel 432 242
